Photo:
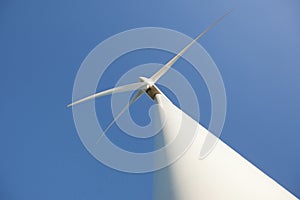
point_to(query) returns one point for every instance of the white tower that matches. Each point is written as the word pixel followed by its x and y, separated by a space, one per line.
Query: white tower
pixel 223 174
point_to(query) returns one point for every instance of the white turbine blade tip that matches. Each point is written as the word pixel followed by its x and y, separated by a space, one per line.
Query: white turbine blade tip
pixel 70 105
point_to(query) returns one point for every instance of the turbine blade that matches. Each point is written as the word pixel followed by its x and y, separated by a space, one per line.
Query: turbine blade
pixel 140 92
pixel 124 88
pixel 167 66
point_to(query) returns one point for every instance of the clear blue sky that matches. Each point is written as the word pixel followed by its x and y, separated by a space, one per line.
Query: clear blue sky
pixel 42 44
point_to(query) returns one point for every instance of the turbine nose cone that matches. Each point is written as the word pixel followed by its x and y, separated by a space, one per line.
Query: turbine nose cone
pixel 142 79
pixel 146 80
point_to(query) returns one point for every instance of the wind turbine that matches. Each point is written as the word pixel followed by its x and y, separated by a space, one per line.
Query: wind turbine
pixel 223 174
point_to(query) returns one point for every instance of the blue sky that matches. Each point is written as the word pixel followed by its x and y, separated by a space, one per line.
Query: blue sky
pixel 44 42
